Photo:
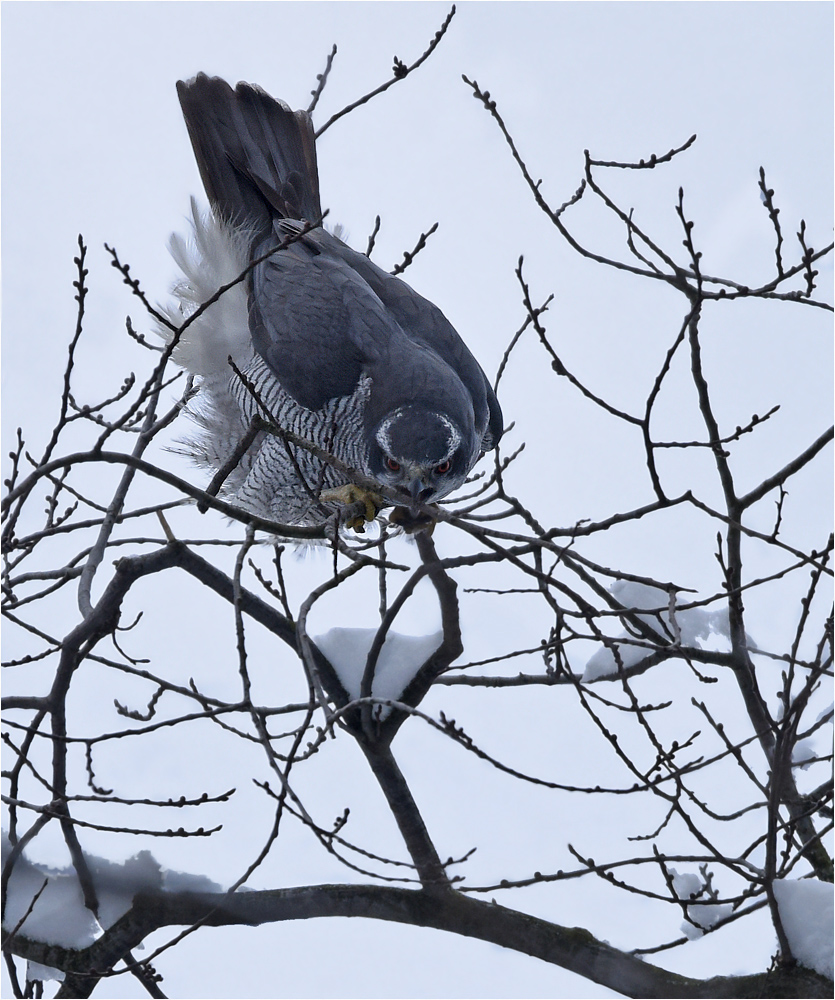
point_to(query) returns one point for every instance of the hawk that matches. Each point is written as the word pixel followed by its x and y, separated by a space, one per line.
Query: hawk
pixel 324 343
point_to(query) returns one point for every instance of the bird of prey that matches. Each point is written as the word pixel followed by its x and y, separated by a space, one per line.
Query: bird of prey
pixel 324 343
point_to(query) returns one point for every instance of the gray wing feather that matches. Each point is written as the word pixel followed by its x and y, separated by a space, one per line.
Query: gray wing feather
pixel 424 323
pixel 313 323
pixel 321 326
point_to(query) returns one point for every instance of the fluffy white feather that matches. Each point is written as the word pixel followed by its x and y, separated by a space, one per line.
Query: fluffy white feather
pixel 211 256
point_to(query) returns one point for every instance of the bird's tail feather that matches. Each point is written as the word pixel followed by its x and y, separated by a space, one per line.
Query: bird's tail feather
pixel 257 158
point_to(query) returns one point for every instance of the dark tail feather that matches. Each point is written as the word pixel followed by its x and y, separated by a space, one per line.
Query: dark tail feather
pixel 257 158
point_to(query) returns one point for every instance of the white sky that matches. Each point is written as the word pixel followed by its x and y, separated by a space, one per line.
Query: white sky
pixel 93 143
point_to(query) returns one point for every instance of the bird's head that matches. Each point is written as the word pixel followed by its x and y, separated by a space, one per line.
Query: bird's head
pixel 421 453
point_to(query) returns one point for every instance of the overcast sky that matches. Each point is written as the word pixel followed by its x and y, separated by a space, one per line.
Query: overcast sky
pixel 93 143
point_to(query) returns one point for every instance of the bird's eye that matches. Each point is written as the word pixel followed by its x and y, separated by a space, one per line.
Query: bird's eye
pixel 442 468
pixel 392 465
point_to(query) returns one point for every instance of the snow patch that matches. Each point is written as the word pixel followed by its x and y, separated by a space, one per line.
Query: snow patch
pixel 59 915
pixel 48 904
pixel 701 917
pixel 693 627
pixel 400 659
pixel 37 973
pixel 806 910
pixel 803 754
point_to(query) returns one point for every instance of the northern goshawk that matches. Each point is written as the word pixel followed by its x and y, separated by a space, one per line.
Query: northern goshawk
pixel 328 346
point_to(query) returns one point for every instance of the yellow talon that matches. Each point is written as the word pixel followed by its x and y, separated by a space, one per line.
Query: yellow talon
pixel 350 493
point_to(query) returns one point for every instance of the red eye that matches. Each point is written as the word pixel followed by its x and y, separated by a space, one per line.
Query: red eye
pixel 392 465
pixel 442 468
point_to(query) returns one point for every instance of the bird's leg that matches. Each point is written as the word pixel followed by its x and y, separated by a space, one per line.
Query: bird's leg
pixel 351 493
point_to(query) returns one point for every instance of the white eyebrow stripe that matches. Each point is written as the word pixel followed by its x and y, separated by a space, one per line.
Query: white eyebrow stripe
pixel 383 438
pixel 454 435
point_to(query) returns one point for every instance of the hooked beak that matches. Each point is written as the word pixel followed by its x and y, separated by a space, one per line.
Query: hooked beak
pixel 419 491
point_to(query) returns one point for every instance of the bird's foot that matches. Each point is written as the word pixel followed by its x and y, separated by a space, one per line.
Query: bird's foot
pixel 352 494
pixel 412 521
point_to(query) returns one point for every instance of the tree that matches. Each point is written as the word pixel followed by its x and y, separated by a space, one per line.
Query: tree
pixel 715 731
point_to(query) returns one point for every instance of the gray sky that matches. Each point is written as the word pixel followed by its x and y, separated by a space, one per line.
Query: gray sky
pixel 93 143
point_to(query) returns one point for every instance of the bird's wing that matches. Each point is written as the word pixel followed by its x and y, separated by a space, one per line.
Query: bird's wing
pixel 315 324
pixel 424 323
pixel 322 316
pixel 320 327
